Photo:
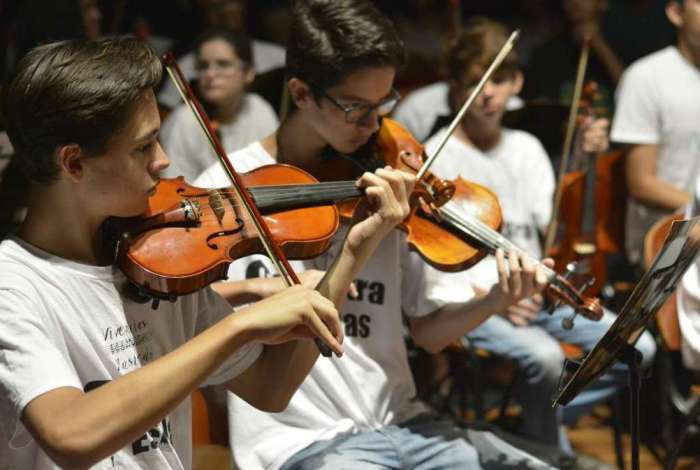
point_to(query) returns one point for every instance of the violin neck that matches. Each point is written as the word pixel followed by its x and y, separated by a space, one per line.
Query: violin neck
pixel 296 196
pixel 588 216
pixel 479 231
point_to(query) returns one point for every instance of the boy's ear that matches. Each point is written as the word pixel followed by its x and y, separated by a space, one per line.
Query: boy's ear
pixel 300 92
pixel 249 75
pixel 673 12
pixel 69 159
pixel 518 82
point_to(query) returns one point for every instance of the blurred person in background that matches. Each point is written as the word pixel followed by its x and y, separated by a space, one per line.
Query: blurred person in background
pixel 552 70
pixel 225 67
pixel 229 15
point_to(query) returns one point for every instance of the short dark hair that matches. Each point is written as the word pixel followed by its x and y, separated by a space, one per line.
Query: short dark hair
pixel 239 42
pixel 331 39
pixel 74 92
pixel 478 44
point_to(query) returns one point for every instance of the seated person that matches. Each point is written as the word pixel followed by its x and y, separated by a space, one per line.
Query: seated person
pixel 224 68
pixel 93 376
pixel 361 412
pixel 228 15
pixel 514 165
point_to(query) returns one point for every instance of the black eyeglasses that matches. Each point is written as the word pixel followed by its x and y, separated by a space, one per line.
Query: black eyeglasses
pixel 355 113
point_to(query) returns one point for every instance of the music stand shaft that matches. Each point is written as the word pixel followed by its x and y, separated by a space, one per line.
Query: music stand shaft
pixel 633 360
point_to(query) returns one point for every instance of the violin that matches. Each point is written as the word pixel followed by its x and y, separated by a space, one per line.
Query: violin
pixel 591 208
pixel 458 224
pixel 188 235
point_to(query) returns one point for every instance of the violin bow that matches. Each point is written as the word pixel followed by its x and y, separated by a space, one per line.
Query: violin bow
pixel 502 54
pixel 568 142
pixel 274 252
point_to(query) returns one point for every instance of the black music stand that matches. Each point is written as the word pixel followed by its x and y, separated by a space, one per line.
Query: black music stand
pixel 678 252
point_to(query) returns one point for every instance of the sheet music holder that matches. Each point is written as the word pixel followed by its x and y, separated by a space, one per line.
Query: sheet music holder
pixel 679 250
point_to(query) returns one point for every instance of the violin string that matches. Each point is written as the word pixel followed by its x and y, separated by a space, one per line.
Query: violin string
pixel 485 234
pixel 268 195
pixel 476 228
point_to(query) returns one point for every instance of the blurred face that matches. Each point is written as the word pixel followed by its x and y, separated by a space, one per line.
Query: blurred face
pixel 581 11
pixel 92 19
pixel 490 104
pixel 120 182
pixel 227 14
pixel 223 76
pixel 685 16
pixel 361 90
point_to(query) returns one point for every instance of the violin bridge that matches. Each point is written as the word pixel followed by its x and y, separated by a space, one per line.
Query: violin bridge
pixel 191 210
pixel 217 204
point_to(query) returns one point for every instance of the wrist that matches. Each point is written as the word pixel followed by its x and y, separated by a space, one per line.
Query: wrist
pixel 496 302
pixel 266 286
pixel 242 326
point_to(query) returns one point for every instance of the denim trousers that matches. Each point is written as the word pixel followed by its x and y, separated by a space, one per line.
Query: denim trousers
pixel 426 442
pixel 540 359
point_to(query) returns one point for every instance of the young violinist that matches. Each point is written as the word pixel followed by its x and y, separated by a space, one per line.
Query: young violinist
pixel 658 104
pixel 90 376
pixel 360 411
pixel 515 166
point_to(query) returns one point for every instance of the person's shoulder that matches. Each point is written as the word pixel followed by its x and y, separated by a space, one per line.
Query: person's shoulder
pixel 653 64
pixel 178 117
pixel 267 46
pixel 428 94
pixel 257 104
pixel 19 269
pixel 246 159
pixel 520 137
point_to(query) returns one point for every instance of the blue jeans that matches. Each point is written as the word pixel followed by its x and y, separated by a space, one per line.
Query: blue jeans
pixel 540 360
pixel 425 442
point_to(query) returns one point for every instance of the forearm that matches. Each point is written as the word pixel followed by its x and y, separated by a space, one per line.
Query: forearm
pixel 441 328
pixel 303 354
pixel 88 427
pixel 248 290
pixel 658 194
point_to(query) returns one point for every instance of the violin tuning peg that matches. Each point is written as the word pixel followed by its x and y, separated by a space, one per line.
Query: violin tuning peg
pixel 568 322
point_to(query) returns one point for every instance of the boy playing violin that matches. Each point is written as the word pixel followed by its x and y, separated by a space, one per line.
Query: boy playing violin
pixel 89 377
pixel 360 411
pixel 515 166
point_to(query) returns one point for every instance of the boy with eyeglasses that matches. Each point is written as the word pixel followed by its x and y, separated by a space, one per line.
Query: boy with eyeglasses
pixel 360 411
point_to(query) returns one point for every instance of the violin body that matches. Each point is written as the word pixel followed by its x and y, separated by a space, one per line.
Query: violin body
pixel 439 243
pixel 590 241
pixel 455 224
pixel 189 235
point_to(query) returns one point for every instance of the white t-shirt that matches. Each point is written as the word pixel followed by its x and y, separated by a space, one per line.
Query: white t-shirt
pixel 189 151
pixel 658 102
pixel 267 56
pixel 688 301
pixel 519 172
pixel 66 324
pixel 371 386
pixel 421 109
